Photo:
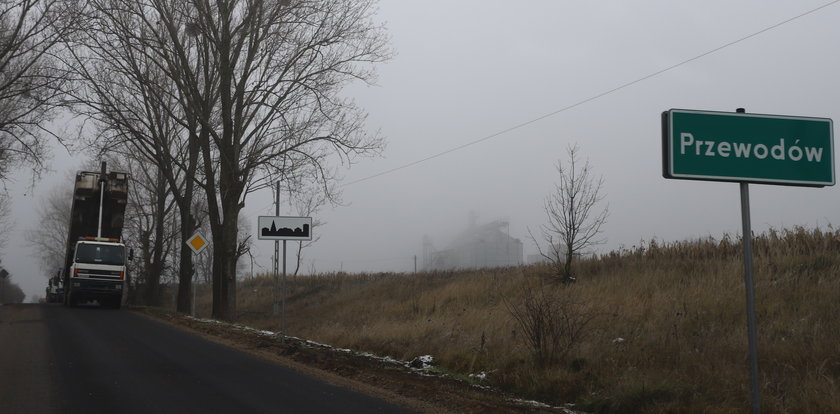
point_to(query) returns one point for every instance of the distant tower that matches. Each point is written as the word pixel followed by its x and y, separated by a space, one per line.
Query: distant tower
pixel 428 249
pixel 473 219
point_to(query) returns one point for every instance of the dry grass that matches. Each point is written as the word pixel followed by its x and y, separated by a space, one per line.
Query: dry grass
pixel 679 309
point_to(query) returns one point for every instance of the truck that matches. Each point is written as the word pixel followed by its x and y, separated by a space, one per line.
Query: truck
pixel 55 290
pixel 95 256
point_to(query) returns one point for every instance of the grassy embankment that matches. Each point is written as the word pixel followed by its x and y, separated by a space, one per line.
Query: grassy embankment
pixel 678 308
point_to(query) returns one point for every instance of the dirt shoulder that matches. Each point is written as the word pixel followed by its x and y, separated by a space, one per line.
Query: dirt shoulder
pixel 417 389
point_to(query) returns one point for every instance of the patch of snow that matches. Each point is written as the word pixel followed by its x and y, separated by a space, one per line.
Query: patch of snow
pixel 236 326
pixel 204 320
pixel 618 340
pixel 537 404
pixel 532 403
pixel 421 362
pixel 387 359
pixel 481 376
pixel 318 344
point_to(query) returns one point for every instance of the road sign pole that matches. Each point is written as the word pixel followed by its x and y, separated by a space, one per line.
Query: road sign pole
pixel 192 305
pixel 283 297
pixel 282 228
pixel 742 148
pixel 748 284
pixel 275 310
pixel 752 330
pixel 197 243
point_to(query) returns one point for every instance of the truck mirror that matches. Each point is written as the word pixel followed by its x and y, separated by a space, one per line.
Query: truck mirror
pixel 130 254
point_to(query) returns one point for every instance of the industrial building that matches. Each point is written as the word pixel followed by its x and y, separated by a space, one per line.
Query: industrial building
pixel 479 246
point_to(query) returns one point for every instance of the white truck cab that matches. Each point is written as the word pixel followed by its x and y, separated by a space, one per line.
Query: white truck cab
pixel 98 271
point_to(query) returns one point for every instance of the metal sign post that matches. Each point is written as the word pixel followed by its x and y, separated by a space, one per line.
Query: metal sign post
pixel 197 244
pixel 283 228
pixel 752 330
pixel 275 262
pixel 283 297
pixel 274 309
pixel 748 148
pixel 749 287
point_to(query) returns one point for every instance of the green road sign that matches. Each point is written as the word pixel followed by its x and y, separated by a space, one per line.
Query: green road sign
pixel 766 149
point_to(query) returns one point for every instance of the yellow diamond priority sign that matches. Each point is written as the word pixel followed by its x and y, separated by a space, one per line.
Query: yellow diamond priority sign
pixel 197 242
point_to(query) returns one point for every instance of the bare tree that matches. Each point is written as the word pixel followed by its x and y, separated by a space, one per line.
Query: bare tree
pixel 574 220
pixel 49 238
pixel 30 86
pixel 251 87
pixel 114 59
pixel 149 224
pixel 10 292
pixel 5 224
pixel 246 242
pixel 553 324
pixel 307 204
pixel 275 111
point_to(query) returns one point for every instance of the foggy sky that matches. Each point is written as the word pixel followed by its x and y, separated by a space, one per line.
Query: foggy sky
pixel 466 70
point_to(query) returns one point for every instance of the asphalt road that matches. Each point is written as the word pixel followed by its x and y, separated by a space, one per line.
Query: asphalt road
pixel 90 360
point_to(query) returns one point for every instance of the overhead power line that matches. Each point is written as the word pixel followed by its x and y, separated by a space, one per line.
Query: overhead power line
pixel 589 99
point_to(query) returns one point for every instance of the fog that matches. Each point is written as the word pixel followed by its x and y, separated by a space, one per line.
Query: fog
pixel 483 98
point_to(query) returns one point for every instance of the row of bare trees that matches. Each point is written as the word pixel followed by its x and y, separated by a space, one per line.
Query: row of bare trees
pixel 30 83
pixel 30 90
pixel 203 101
pixel 223 97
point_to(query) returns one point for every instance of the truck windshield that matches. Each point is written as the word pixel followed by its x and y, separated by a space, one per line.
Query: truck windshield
pixel 100 254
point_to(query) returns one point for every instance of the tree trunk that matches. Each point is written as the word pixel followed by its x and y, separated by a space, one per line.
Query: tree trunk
pixel 188 224
pixel 146 253
pixel 567 267
pixel 185 266
pixel 225 232
pixel 156 268
pixel 297 262
pixel 225 235
pixel 224 268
